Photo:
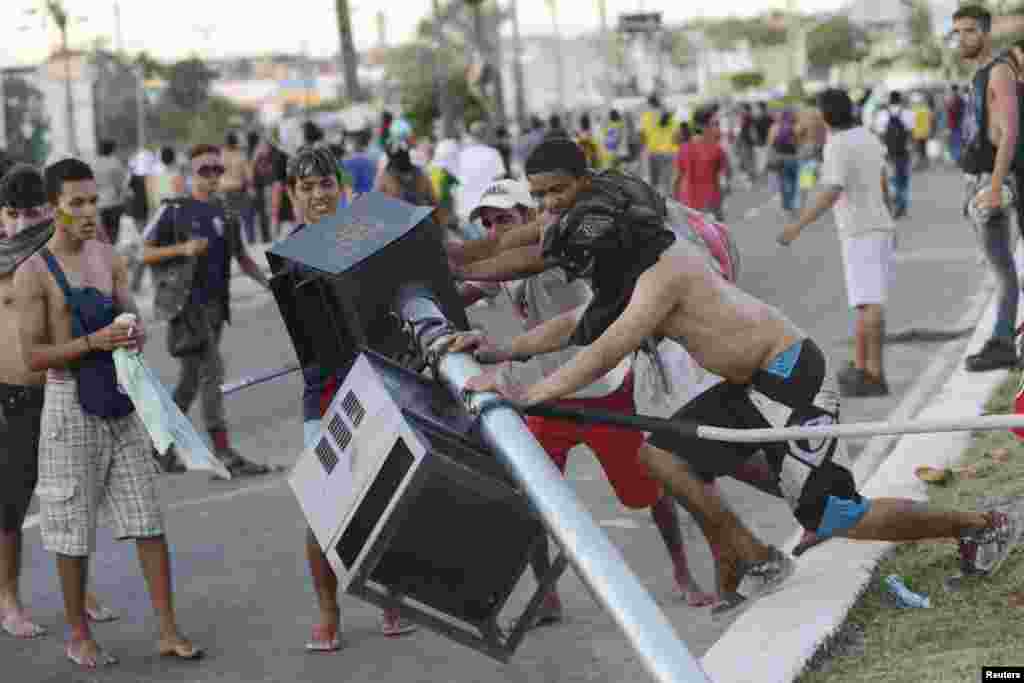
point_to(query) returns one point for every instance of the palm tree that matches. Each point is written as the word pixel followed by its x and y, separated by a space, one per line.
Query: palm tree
pixel 348 52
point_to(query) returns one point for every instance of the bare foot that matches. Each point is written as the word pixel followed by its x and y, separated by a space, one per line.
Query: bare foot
pixel 178 646
pixel 326 636
pixel 695 597
pixel 88 654
pixel 14 622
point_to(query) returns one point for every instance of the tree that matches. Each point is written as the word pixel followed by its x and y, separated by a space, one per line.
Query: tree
pixel 151 67
pixel 681 50
pixel 757 31
pixel 836 41
pixel 350 73
pixel 188 84
pixel 925 49
pixel 26 126
pixel 745 80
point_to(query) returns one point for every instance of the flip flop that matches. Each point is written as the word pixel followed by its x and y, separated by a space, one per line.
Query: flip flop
pixel 103 658
pixel 324 640
pixel 394 625
pixel 18 626
pixel 182 651
pixel 102 614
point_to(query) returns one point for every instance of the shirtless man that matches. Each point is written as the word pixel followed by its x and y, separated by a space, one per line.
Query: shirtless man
pixel 25 226
pixel 990 142
pixel 648 285
pixel 67 296
pixel 507 204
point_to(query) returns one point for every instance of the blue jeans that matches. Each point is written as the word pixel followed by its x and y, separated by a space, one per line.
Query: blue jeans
pixel 955 142
pixel 899 184
pixel 789 183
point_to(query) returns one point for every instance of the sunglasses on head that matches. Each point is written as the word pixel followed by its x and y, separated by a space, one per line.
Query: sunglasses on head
pixel 210 171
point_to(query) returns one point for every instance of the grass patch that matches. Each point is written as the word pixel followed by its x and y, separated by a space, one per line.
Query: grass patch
pixel 976 626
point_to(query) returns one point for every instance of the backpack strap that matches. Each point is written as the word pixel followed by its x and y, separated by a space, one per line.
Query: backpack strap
pixel 57 271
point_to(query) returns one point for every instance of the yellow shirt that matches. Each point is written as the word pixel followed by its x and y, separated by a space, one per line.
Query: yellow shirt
pixel 659 139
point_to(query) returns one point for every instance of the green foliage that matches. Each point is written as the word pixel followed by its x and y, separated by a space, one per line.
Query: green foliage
pixel 725 33
pixel 175 126
pixel 836 41
pixel 336 104
pixel 745 80
pixel 680 50
pixel 151 67
pixel 926 51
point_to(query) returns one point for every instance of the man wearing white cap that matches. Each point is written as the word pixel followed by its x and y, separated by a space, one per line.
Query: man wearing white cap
pixel 479 165
pixel 507 204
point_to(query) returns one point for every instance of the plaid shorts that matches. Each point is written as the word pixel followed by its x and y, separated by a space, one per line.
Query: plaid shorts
pixel 90 465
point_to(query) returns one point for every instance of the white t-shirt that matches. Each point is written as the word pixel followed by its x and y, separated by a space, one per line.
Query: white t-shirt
pixel 883 116
pixel 854 162
pixel 545 296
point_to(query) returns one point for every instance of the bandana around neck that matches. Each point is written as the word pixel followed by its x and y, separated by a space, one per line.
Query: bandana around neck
pixel 15 250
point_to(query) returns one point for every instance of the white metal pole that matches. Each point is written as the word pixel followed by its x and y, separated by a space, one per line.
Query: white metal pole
pixel 596 560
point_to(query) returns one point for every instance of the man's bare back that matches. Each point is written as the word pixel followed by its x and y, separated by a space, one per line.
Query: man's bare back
pixel 727 331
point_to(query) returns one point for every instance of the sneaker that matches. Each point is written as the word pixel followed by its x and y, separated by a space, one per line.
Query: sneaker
pixel 757 579
pixel 996 354
pixel 169 462
pixel 856 383
pixel 237 465
pixel 984 550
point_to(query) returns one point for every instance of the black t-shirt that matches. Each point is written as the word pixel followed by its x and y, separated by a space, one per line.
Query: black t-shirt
pixel 280 162
pixel 762 126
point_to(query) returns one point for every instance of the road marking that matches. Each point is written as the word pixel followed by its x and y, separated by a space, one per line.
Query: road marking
pixel 935 254
pixel 33 520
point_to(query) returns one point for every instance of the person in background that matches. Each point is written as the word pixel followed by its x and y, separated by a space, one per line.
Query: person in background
pixel 585 139
pixel 854 183
pixel 533 137
pixel 401 178
pixel 924 124
pixel 359 164
pixel 261 174
pixel 282 217
pixel 112 179
pixel 479 165
pixel 503 143
pixel 659 136
pixel 236 182
pixel 894 124
pixel 555 128
pixel 955 121
pixel 615 144
pixel 700 165
pixel 746 141
pixel 782 141
pixel 762 126
pixel 141 165
pixel 444 178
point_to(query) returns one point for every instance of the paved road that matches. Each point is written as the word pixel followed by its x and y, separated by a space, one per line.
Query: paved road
pixel 242 586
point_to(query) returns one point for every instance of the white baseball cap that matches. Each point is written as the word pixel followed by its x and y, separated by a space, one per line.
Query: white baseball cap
pixel 504 194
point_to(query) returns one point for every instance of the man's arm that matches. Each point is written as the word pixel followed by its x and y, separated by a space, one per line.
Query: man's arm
pixel 885 189
pixel 511 264
pixel 152 253
pixel 655 296
pixel 123 296
pixel 825 200
pixel 245 261
pixel 32 328
pixel 1003 108
pixel 548 337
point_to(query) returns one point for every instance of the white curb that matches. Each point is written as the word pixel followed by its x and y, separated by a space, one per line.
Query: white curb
pixel 773 641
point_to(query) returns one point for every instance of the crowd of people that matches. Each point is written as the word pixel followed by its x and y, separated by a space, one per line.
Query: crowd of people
pixel 613 250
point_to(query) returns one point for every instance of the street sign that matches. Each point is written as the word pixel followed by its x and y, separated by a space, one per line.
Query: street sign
pixel 640 22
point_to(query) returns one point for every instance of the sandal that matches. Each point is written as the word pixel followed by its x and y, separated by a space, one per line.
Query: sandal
pixel 325 639
pixel 394 625
pixel 103 658
pixel 17 625
pixel 101 614
pixel 181 650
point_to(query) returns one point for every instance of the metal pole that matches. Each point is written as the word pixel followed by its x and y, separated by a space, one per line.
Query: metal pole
pixel 517 68
pixel 70 103
pixel 559 61
pixel 595 558
pixel 140 98
pixel 441 74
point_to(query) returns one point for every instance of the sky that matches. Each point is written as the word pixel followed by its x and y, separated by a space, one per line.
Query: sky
pixel 220 28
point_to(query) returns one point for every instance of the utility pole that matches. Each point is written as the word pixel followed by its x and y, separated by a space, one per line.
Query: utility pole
pixel 606 47
pixel 60 18
pixel 517 67
pixel 559 62
pixel 349 66
pixel 441 74
pixel 118 36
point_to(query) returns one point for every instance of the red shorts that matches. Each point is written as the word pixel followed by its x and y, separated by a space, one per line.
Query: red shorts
pixel 616 448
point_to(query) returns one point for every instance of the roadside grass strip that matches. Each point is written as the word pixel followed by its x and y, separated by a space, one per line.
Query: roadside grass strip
pixel 979 623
